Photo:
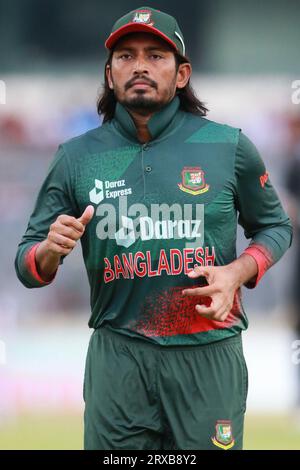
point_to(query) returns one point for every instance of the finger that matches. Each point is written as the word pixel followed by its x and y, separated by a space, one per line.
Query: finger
pixel 205 291
pixel 199 271
pixel 205 311
pixel 220 318
pixel 209 316
pixel 71 222
pixel 61 240
pixel 223 314
pixel 59 249
pixel 211 309
pixel 218 311
pixel 69 232
pixel 87 215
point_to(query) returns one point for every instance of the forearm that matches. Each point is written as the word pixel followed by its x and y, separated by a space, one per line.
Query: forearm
pixel 261 213
pixel 29 273
pixel 46 261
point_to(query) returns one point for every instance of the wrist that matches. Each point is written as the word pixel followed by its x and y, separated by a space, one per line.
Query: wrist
pixel 44 250
pixel 243 269
pixel 235 274
pixel 46 261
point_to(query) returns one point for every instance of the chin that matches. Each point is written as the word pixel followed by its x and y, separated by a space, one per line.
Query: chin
pixel 140 101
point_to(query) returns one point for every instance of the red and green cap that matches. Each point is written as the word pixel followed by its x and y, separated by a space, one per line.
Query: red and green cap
pixel 148 20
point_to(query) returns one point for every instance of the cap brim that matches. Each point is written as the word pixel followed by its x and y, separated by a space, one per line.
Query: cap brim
pixel 136 28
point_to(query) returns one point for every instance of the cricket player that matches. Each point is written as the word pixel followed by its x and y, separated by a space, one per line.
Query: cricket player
pixel 154 195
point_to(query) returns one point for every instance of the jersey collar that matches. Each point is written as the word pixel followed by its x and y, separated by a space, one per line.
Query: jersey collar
pixel 158 124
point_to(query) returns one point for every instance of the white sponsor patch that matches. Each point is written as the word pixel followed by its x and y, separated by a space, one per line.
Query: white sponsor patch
pixel 108 190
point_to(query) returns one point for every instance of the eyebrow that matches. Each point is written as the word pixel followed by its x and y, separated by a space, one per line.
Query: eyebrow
pixel 148 49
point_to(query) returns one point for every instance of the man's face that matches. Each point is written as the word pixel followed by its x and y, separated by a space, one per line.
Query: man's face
pixel 143 73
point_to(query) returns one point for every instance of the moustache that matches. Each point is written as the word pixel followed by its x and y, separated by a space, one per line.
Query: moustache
pixel 131 82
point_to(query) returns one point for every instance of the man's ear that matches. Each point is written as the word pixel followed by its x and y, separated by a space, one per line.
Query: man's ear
pixel 183 75
pixel 108 76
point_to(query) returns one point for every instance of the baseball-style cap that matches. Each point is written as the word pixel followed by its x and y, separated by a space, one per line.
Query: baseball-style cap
pixel 148 20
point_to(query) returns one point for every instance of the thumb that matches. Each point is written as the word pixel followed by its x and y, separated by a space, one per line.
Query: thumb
pixel 87 215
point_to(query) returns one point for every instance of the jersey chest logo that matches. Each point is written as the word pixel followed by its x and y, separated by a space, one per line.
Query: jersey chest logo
pixel 193 181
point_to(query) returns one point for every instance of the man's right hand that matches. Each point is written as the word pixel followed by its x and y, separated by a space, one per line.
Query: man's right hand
pixel 62 238
pixel 66 231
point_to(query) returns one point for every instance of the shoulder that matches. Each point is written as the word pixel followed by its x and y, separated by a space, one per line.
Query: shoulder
pixel 246 145
pixel 209 131
pixel 248 157
pixel 91 141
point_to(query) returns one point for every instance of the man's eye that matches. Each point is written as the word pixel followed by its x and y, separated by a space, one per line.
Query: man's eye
pixel 155 56
pixel 125 56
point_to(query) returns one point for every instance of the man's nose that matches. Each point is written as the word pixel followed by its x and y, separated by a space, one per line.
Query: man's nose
pixel 140 66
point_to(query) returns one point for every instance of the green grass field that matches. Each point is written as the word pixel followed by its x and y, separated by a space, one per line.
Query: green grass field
pixel 65 432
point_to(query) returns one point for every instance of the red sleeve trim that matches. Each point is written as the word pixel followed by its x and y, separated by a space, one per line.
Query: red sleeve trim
pixel 264 261
pixel 31 265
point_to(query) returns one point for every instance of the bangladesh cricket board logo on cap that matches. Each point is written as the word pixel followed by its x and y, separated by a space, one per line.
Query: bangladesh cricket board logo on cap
pixel 142 17
pixel 223 438
pixel 193 181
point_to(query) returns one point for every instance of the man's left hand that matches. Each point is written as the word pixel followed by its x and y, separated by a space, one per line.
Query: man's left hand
pixel 222 285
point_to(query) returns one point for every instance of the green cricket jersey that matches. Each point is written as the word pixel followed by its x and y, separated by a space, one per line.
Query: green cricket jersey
pixel 160 208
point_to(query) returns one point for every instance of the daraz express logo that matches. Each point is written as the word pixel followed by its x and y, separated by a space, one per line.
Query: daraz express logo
pixel 103 190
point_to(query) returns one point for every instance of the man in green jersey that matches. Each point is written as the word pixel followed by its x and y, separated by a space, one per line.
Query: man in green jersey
pixel 154 195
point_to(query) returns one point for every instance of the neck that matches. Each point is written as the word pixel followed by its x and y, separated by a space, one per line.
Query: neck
pixel 141 121
pixel 145 125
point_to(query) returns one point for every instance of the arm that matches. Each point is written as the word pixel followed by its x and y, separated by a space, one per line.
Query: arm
pixel 46 262
pixel 263 219
pixel 292 179
pixel 260 211
pixel 61 240
pixel 55 197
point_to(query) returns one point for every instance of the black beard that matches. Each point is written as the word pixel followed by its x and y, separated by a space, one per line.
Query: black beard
pixel 141 104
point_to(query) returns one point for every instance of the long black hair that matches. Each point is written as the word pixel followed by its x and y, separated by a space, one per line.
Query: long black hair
pixel 106 102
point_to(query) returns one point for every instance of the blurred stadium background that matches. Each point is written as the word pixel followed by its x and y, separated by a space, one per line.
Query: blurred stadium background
pixel 245 57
